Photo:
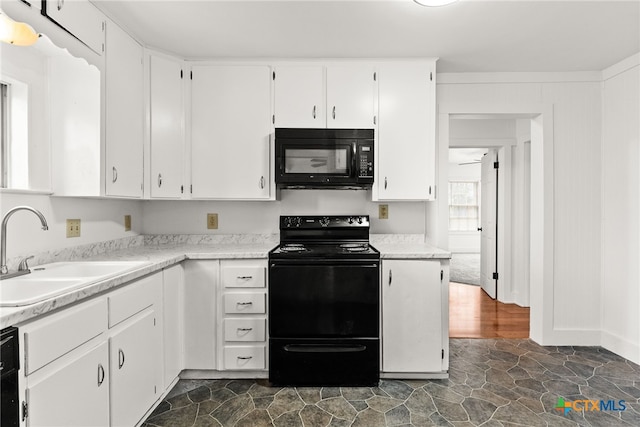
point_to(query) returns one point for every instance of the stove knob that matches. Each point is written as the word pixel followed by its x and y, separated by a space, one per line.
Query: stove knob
pixel 359 220
pixel 324 221
pixel 287 222
pixel 350 220
pixel 297 221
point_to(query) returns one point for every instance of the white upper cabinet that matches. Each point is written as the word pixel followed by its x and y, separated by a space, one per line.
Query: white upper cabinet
pixel 406 131
pixel 80 18
pixel 299 96
pixel 166 127
pixel 301 91
pixel 124 114
pixel 350 96
pixel 230 131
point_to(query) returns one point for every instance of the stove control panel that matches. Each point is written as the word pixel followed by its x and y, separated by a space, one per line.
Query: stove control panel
pixel 309 221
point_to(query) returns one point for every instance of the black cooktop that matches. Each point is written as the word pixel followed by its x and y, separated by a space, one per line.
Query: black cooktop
pixel 346 250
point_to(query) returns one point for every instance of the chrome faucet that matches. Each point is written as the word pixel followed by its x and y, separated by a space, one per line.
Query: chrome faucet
pixel 23 269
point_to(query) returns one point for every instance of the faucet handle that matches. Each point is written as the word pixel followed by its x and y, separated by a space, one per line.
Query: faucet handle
pixel 23 264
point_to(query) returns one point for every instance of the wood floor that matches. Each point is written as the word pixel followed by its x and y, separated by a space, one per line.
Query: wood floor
pixel 473 314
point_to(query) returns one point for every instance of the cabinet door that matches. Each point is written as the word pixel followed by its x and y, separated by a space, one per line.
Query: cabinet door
pixel 166 131
pixel 411 316
pixel 134 354
pixel 81 19
pixel 124 115
pixel 173 322
pixel 75 395
pixel 406 132
pixel 299 97
pixel 230 130
pixel 350 96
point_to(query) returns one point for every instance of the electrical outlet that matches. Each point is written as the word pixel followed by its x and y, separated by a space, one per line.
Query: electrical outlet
pixel 383 211
pixel 73 228
pixel 212 221
pixel 127 223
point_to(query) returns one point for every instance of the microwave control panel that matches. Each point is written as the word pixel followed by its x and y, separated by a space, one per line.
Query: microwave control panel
pixel 365 157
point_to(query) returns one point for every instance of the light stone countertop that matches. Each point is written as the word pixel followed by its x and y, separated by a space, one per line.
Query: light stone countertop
pixel 160 256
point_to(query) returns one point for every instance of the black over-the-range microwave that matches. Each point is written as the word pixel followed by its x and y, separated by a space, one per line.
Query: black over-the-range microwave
pixel 324 158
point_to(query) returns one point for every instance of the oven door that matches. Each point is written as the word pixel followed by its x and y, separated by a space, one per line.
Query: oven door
pixel 324 299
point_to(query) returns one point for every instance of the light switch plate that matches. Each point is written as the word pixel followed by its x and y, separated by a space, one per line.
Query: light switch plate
pixel 73 228
pixel 127 223
pixel 383 211
pixel 212 221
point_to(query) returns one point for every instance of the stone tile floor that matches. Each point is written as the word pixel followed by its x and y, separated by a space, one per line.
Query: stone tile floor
pixel 493 382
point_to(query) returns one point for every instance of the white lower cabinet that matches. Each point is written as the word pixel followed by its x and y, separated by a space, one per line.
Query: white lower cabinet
pixel 75 394
pixel 97 363
pixel 414 336
pixel 134 353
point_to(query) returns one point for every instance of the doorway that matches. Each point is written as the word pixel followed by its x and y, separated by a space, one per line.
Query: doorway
pixel 495 173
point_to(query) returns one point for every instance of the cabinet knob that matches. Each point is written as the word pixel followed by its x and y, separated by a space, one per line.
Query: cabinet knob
pixel 314 111
pixel 334 112
pixel 100 374
pixel 114 174
pixel 60 4
pixel 159 180
pixel 390 277
pixel 261 184
pixel 385 182
pixel 120 358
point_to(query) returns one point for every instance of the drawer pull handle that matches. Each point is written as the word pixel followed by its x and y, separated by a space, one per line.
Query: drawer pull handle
pixel 100 374
pixel 120 359
pixel 245 277
pixel 245 303
pixel 245 329
pixel 245 357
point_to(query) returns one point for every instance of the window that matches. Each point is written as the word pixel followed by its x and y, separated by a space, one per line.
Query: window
pixel 464 206
pixel 14 134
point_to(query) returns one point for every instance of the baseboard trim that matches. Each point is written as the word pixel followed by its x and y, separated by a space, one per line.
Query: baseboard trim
pixel 621 347
pixel 577 337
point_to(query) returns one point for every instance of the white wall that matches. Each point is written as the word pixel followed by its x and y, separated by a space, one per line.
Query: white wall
pixel 571 310
pixel 101 220
pixel 620 209
pixel 189 217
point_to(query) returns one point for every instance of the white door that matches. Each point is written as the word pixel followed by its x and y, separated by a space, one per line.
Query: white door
pixel 350 96
pixel 75 395
pixel 299 97
pixel 134 353
pixel 411 316
pixel 166 127
pixel 124 115
pixel 488 206
pixel 230 131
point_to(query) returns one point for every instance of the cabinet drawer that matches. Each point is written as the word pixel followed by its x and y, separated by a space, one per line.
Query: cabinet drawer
pixel 244 358
pixel 133 298
pixel 244 329
pixel 56 335
pixel 242 276
pixel 247 303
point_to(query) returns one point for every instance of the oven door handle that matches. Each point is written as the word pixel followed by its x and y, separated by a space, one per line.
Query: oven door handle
pixel 326 348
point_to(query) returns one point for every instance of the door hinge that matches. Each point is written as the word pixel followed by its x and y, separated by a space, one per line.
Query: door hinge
pixel 182 189
pixel 441 275
pixel 181 74
pixel 495 276
pixel 496 165
pixel 273 119
pixel 191 188
pixel 374 76
pixel 191 75
pixel 25 410
pixel 431 76
pixel 273 76
pixel 442 354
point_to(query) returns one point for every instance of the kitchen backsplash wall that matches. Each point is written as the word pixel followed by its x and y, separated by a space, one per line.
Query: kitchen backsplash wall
pixel 101 221
pixel 189 217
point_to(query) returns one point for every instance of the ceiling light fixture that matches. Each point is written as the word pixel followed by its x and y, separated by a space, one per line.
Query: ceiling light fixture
pixel 434 3
pixel 16 33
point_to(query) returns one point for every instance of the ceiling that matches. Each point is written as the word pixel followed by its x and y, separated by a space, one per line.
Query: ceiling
pixel 468 36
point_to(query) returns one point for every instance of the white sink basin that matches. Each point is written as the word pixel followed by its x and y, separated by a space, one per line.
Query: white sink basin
pixel 50 280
